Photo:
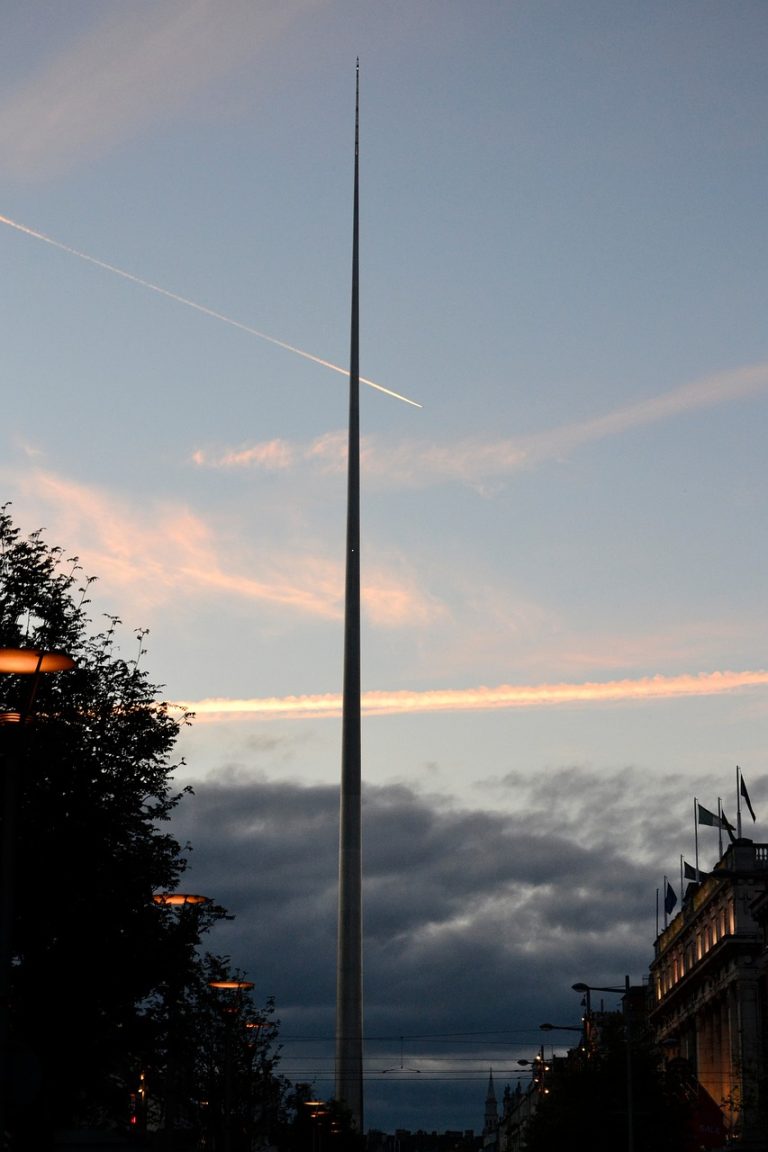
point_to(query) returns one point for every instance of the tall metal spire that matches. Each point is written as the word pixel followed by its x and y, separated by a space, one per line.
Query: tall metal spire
pixel 349 965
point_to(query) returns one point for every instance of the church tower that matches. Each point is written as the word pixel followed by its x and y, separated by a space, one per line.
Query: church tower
pixel 491 1121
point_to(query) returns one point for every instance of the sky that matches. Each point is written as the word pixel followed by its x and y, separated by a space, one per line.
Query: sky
pixel 564 269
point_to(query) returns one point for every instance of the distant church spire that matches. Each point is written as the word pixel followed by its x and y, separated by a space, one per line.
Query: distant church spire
pixel 491 1106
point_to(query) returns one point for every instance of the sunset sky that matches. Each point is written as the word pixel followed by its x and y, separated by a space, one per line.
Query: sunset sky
pixel 564 275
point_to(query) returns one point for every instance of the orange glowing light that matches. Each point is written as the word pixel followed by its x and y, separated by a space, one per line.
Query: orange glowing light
pixel 27 661
pixel 175 899
pixel 230 985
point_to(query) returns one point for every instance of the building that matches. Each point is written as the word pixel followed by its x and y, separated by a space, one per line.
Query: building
pixel 491 1116
pixel 708 1008
pixel 519 1107
pixel 705 1007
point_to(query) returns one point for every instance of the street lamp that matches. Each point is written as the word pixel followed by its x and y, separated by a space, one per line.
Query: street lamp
pixel 563 1028
pixel 238 987
pixel 32 662
pixel 231 985
pixel 188 906
pixel 586 989
pixel 179 899
pixel 539 1068
pixel 317 1114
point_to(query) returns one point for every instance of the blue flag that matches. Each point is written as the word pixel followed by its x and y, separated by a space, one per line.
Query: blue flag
pixel 670 898
pixel 745 794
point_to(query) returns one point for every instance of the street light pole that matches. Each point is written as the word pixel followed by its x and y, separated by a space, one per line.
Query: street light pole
pixel 188 905
pixel 238 987
pixel 32 662
pixel 586 989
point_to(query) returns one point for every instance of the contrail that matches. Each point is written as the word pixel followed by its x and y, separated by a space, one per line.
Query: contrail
pixel 198 307
pixel 379 703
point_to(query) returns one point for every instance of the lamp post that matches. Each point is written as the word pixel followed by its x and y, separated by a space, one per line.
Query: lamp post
pixel 33 662
pixel 586 989
pixel 238 987
pixel 260 1034
pixel 317 1114
pixel 188 905
pixel 539 1068
pixel 231 985
pixel 179 899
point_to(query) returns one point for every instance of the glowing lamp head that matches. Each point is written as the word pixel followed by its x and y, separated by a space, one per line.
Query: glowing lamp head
pixel 230 985
pixel 179 899
pixel 28 661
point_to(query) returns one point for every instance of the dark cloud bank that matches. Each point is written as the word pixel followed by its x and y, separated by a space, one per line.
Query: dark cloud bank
pixel 477 923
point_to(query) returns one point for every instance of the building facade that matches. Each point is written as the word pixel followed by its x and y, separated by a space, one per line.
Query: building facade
pixel 705 1008
pixel 707 997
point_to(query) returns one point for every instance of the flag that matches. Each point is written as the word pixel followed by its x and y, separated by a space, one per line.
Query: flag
pixel 707 817
pixel 670 898
pixel 725 823
pixel 690 872
pixel 745 794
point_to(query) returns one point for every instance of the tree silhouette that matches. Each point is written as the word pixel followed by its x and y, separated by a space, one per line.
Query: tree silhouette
pixel 91 951
pixel 586 1102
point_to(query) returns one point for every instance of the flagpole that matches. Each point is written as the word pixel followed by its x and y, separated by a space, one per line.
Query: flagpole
pixel 657 911
pixel 696 834
pixel 682 889
pixel 738 802
pixel 720 826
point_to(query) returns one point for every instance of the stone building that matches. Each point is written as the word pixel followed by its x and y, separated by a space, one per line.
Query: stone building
pixel 707 996
pixel 705 1007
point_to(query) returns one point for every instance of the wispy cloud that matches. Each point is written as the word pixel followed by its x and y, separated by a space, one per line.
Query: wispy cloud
pixel 472 461
pixel 155 553
pixel 479 699
pixel 269 455
pixel 134 65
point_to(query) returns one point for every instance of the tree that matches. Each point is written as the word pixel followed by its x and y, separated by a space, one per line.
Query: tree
pixel 91 951
pixel 234 1062
pixel 586 1101
pixel 310 1125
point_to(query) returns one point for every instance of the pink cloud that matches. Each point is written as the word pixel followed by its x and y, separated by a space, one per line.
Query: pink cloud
pixel 132 65
pixel 474 461
pixel 154 553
